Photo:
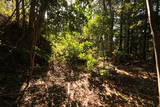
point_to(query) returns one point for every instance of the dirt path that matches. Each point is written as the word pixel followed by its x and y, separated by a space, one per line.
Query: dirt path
pixel 62 86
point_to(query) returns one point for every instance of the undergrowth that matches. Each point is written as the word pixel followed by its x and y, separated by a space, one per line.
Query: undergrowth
pixel 69 47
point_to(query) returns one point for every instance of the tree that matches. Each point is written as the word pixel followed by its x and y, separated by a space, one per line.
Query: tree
pixel 23 12
pixel 121 28
pixel 156 41
pixel 17 11
pixel 36 20
pixel 111 14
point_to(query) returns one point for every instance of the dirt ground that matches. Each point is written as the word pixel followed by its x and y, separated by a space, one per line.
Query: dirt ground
pixel 66 86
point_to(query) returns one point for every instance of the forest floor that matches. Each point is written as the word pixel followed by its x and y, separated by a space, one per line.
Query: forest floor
pixel 65 86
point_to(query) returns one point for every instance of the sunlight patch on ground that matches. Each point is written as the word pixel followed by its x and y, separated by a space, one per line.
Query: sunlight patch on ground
pixel 120 71
pixel 64 85
pixel 108 90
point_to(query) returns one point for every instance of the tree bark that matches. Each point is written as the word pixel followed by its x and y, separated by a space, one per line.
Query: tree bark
pixel 17 11
pixel 121 29
pixel 32 13
pixel 23 12
pixel 145 37
pixel 111 13
pixel 104 5
pixel 128 36
pixel 156 41
pixel 36 23
pixel 127 29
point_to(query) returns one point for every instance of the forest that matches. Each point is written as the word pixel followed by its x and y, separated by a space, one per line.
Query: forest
pixel 79 53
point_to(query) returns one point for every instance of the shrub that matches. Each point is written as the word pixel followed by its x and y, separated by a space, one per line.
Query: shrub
pixel 67 47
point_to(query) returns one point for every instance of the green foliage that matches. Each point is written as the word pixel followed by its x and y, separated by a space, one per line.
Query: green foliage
pixel 68 47
pixel 6 7
pixel 98 26
pixel 97 30
pixel 104 73
pixel 89 58
pixel 68 15
pixel 116 52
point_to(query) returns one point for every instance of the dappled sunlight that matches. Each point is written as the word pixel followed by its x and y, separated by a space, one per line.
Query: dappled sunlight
pixel 123 72
pixel 109 91
pixel 137 71
pixel 79 53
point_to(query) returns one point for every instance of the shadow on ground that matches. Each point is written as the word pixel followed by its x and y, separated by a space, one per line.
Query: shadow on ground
pixel 132 90
pixel 63 85
pixel 14 63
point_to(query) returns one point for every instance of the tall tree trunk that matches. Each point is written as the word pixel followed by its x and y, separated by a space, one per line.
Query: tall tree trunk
pixel 32 33
pixel 37 28
pixel 17 11
pixel 145 38
pixel 41 17
pixel 104 5
pixel 32 13
pixel 131 42
pixel 121 28
pixel 106 36
pixel 127 29
pixel 128 36
pixel 23 12
pixel 111 13
pixel 156 41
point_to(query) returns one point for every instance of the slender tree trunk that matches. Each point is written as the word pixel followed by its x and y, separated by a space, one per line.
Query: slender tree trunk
pixel 124 26
pixel 121 29
pixel 41 17
pixel 32 13
pixel 32 33
pixel 106 36
pixel 23 12
pixel 104 5
pixel 121 38
pixel 131 42
pixel 37 28
pixel 36 24
pixel 156 41
pixel 128 36
pixel 127 25
pixel 145 38
pixel 17 11
pixel 111 13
